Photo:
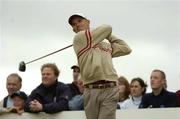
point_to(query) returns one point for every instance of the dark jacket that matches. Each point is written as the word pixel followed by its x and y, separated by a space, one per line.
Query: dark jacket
pixel 164 99
pixel 53 98
pixel 178 98
pixel 5 102
pixel 74 89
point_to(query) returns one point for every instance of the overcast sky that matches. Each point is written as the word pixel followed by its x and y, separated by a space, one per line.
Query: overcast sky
pixel 33 28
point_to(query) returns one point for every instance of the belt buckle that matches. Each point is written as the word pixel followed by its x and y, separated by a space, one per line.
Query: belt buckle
pixel 113 84
pixel 100 86
pixel 90 86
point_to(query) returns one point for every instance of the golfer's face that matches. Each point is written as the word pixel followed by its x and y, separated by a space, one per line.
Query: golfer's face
pixel 79 24
pixel 48 77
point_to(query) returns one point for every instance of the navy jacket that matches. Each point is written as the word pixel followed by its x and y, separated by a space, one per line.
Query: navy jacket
pixel 54 98
pixel 164 99
pixel 74 89
pixel 5 102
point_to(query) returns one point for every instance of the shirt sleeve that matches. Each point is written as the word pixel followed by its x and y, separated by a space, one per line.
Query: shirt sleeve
pixel 119 47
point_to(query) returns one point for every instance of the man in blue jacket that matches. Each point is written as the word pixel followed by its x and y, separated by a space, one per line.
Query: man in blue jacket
pixel 50 96
pixel 159 97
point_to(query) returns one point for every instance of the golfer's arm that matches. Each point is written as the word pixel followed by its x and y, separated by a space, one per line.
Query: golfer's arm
pixel 100 33
pixel 119 47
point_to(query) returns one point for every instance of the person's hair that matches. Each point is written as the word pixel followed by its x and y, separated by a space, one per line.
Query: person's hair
pixel 52 66
pixel 141 82
pixel 15 75
pixel 163 75
pixel 125 82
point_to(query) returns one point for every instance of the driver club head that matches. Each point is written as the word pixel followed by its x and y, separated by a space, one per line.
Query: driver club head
pixel 22 66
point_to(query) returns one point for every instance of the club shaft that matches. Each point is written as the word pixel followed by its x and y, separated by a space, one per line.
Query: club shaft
pixel 49 54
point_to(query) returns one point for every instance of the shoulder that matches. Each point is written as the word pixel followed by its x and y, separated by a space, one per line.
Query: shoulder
pixel 127 101
pixel 147 96
pixel 169 93
pixel 5 98
pixel 70 84
pixel 104 26
pixel 38 89
pixel 62 85
pixel 178 93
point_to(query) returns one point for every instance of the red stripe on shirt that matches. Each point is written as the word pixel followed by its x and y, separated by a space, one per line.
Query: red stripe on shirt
pixel 88 46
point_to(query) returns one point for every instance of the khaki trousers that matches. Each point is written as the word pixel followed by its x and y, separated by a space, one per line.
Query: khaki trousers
pixel 101 103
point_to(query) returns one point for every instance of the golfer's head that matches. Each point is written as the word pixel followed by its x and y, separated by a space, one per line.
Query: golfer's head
pixel 78 22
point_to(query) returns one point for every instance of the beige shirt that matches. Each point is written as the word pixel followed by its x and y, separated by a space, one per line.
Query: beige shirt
pixel 95 56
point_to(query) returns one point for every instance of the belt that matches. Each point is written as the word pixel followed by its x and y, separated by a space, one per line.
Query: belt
pixel 101 85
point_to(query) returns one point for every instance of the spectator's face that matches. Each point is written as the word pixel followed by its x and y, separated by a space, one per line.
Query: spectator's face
pixel 156 80
pixel 79 24
pixel 136 89
pixel 48 76
pixel 18 102
pixel 122 88
pixel 75 74
pixel 13 85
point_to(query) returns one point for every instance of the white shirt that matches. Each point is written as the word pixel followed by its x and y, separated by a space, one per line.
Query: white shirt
pixel 131 103
pixel 9 102
pixel 120 103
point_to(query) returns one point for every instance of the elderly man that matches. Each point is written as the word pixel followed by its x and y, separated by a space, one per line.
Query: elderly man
pixel 50 96
pixel 13 84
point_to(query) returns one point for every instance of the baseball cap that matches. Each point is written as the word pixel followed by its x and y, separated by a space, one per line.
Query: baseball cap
pixel 20 94
pixel 75 66
pixel 76 15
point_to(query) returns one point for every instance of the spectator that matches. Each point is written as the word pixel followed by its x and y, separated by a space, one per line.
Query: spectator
pixel 77 103
pixel 74 86
pixel 13 84
pixel 178 98
pixel 124 90
pixel 137 90
pixel 19 99
pixel 159 97
pixel 50 96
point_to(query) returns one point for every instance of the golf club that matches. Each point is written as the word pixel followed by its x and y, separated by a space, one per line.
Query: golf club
pixel 22 64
